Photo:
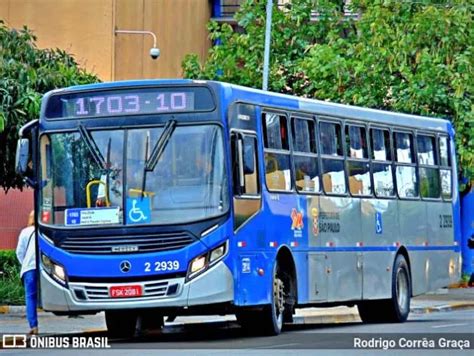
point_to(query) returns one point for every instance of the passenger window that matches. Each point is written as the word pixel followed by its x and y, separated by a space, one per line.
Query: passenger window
pixel 304 139
pixel 358 172
pixel 445 171
pixel 330 137
pixel 357 147
pixel 333 173
pixel 277 154
pixel 275 131
pixel 277 171
pixel 383 180
pixel 426 150
pixel 406 182
pixel 444 152
pixel 404 147
pixel 429 175
pixel 334 181
pixel 380 145
pixel 359 178
pixel 305 158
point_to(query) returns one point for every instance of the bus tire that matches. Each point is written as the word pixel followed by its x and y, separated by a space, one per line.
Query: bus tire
pixel 401 291
pixel 121 323
pixel 395 309
pixel 269 319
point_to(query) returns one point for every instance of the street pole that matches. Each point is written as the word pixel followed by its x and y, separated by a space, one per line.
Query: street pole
pixel 268 33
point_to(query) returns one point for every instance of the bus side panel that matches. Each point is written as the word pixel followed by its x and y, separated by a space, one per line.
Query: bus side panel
pixel 420 265
pixel 380 231
pixel 440 232
pixel 249 245
pixel 412 220
pixel 339 227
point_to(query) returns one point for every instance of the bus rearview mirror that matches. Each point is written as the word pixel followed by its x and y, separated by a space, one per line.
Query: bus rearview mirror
pixel 22 156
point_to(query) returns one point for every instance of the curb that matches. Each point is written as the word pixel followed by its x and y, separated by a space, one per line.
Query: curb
pixel 15 309
pixel 443 308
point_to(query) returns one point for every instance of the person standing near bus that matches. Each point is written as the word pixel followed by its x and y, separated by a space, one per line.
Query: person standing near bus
pixel 26 254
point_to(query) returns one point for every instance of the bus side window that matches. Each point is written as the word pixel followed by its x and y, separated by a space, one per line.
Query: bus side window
pixel 277 152
pixel 358 166
pixel 445 168
pixel 304 155
pixel 382 163
pixel 407 182
pixel 334 181
pixel 429 172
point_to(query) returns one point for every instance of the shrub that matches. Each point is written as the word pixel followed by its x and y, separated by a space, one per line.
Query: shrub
pixel 11 289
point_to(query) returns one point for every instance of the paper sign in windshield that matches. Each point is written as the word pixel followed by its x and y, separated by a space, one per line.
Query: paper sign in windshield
pixel 91 216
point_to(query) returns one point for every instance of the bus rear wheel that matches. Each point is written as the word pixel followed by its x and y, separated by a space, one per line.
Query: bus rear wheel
pixel 395 309
pixel 121 323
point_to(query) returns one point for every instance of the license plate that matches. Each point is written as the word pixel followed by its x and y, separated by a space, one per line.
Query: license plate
pixel 125 291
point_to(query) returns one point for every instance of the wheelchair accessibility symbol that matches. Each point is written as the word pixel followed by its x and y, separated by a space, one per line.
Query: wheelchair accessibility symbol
pixel 138 210
pixel 378 223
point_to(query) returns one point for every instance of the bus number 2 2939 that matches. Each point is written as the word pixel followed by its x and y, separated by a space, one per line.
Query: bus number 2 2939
pixel 159 266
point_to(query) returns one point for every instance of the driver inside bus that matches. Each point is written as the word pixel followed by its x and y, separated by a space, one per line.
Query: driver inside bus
pixel 113 183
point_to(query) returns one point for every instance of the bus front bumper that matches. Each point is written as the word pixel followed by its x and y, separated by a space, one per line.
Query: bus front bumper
pixel 214 286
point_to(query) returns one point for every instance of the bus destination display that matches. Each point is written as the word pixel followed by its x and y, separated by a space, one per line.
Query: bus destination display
pixel 128 102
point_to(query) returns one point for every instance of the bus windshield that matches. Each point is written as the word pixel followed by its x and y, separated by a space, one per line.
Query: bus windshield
pixel 118 177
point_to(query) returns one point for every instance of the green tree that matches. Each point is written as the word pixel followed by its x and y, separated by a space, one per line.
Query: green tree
pixel 27 72
pixel 407 56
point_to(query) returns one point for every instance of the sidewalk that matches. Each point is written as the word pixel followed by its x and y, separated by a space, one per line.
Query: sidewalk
pixel 12 319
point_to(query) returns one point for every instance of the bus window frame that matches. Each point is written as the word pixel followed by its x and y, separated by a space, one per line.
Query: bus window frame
pixel 252 134
pixel 340 122
pixel 244 197
pixel 307 117
pixel 265 111
pixel 390 162
pixel 348 159
pixel 435 166
pixel 414 151
pixel 448 167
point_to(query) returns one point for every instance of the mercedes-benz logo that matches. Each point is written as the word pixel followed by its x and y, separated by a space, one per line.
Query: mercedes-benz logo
pixel 125 266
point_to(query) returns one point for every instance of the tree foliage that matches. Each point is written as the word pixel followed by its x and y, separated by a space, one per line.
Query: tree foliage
pixel 27 72
pixel 407 56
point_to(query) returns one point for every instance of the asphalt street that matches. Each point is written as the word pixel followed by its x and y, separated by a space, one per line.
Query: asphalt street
pixel 226 337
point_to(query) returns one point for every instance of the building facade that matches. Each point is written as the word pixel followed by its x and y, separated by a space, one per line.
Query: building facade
pixel 87 30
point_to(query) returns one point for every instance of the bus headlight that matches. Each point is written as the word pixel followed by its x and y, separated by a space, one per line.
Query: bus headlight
pixel 217 253
pixel 54 270
pixel 203 262
pixel 198 264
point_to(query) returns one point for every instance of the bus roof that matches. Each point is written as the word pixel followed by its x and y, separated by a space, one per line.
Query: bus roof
pixel 286 102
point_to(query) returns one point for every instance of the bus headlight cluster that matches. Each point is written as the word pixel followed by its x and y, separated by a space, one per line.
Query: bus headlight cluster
pixel 203 262
pixel 54 270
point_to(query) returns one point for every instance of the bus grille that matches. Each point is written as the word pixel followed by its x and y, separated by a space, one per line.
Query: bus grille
pixel 156 289
pixel 126 244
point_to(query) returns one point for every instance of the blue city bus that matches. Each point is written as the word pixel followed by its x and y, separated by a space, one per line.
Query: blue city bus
pixel 160 198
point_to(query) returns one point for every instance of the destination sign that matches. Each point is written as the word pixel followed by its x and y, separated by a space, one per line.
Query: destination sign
pixel 129 102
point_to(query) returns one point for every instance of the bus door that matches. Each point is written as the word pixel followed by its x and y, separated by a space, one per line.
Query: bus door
pixel 247 201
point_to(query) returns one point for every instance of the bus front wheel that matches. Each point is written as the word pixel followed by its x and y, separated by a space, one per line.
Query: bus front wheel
pixel 395 309
pixel 121 323
pixel 269 319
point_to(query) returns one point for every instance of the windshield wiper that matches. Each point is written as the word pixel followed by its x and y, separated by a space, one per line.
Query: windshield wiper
pixel 158 149
pixel 92 147
pixel 160 146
